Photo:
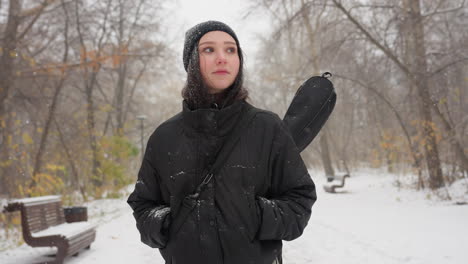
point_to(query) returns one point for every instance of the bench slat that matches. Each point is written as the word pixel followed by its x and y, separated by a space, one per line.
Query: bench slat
pixel 42 216
pixel 67 230
pixel 37 200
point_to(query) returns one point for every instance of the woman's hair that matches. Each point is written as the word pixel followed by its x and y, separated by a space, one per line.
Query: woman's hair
pixel 195 91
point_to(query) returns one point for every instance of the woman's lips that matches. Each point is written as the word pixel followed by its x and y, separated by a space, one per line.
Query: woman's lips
pixel 221 72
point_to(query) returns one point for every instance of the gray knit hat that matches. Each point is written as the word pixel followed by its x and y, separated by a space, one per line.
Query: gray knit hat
pixel 193 35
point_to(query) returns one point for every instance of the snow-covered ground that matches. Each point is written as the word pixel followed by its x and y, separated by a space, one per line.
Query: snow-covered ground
pixel 369 221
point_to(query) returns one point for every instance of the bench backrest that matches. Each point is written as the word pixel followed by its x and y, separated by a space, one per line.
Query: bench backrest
pixel 39 213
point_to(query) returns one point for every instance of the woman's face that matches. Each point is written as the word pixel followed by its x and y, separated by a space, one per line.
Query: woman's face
pixel 219 61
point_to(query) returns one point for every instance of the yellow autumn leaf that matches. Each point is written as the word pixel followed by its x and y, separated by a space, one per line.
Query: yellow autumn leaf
pixel 27 139
pixel 39 129
pixel 52 167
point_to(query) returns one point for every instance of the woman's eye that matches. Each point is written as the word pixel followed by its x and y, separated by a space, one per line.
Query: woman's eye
pixel 231 50
pixel 208 50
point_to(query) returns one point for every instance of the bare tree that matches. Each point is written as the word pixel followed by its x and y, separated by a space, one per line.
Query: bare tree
pixel 385 57
pixel 54 104
pixel 417 72
pixel 48 135
pixel 18 24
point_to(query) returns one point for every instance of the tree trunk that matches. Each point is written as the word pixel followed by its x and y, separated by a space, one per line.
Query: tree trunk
pixel 325 154
pixel 453 139
pixel 90 79
pixel 417 74
pixel 311 34
pixel 95 171
pixel 6 161
pixel 45 133
pixel 9 53
pixel 420 70
pixel 52 109
pixel 71 161
pixel 122 72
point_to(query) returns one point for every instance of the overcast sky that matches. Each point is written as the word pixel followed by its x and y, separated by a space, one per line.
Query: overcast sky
pixel 183 14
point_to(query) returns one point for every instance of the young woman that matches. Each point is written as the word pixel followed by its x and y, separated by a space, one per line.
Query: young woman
pixel 262 194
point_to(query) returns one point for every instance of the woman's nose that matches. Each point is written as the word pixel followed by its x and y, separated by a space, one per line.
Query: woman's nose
pixel 220 58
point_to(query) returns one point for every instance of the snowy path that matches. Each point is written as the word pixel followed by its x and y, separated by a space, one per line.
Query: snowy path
pixel 373 222
pixel 370 223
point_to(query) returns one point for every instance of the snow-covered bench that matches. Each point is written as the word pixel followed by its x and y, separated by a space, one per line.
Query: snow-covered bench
pixel 43 223
pixel 337 182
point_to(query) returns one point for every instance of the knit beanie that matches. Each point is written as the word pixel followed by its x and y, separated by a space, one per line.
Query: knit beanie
pixel 193 35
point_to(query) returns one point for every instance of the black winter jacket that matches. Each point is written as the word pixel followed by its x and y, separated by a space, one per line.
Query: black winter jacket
pixel 263 194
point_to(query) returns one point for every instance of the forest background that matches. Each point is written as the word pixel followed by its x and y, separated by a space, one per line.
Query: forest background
pixel 84 83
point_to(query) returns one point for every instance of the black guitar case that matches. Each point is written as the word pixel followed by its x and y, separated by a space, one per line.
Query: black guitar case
pixel 309 109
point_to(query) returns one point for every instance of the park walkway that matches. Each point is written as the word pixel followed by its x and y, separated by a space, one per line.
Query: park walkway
pixel 369 222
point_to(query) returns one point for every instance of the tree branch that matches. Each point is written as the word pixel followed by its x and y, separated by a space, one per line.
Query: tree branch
pixel 387 52
pixel 435 12
pixel 448 65
pixel 37 12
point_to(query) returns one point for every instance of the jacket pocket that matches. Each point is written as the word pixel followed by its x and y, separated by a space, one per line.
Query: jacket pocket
pixel 186 208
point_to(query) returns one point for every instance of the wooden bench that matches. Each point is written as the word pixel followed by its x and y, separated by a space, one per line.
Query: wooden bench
pixel 337 182
pixel 43 224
